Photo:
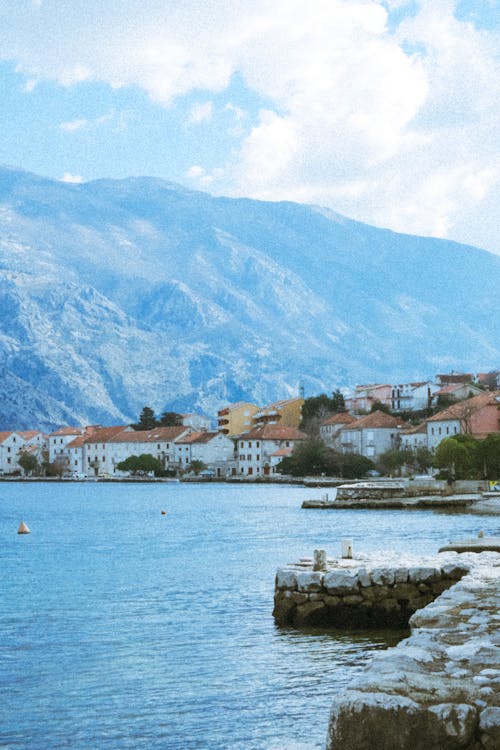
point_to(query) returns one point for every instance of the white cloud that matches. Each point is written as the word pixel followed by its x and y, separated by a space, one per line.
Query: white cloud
pixel 195 172
pixel 201 112
pixel 74 178
pixel 72 125
pixel 393 127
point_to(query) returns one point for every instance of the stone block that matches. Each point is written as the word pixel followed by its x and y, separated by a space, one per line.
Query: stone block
pixel 286 579
pixel 364 577
pixel 309 580
pixel 309 613
pixel 298 597
pixel 341 582
pixel 382 576
pixel 489 727
pixel 400 575
pixel 424 575
pixel 455 571
pixel 404 591
pixel 352 599
pixel 331 601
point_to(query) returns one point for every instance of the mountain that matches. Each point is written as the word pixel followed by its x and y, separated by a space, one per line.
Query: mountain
pixel 119 293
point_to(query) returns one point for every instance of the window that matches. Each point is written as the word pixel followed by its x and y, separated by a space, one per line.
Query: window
pixel 249 444
pixel 257 444
pixel 257 457
pixel 241 444
pixel 249 457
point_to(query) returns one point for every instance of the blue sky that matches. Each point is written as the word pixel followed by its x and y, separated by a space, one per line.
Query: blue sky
pixel 384 110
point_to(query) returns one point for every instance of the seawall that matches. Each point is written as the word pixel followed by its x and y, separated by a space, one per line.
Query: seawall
pixel 438 689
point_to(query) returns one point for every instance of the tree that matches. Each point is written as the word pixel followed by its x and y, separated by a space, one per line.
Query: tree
pixel 318 408
pixel 170 419
pixel 423 458
pixel 379 406
pixel 28 463
pixel 143 464
pixel 309 458
pixel 454 457
pixel 353 465
pixel 147 420
pixel 393 460
pixel 489 456
pixel 196 466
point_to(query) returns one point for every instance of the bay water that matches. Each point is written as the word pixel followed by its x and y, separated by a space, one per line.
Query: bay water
pixel 122 627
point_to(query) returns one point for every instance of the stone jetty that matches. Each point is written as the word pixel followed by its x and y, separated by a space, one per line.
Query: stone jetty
pixel 391 494
pixel 363 592
pixel 437 689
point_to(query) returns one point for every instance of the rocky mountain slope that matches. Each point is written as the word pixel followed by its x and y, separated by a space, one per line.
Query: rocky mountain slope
pixel 116 294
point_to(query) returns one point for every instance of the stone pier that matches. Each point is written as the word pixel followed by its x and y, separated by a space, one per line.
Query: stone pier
pixel 439 689
pixel 360 594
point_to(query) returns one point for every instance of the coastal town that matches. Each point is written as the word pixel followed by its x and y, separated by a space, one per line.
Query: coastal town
pixel 251 441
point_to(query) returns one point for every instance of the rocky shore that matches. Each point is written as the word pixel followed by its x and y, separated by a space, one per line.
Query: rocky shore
pixel 436 690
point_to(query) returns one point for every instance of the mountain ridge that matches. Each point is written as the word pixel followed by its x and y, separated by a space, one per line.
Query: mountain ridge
pixel 139 291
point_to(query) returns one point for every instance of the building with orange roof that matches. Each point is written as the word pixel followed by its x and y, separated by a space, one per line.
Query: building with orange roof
pixel 259 450
pixel 329 430
pixel 105 448
pixel 372 434
pixel 478 416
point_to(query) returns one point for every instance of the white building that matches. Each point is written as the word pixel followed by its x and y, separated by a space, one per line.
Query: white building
pixel 372 435
pixel 412 396
pixel 104 449
pixel 12 444
pixel 214 449
pixel 329 431
pixel 260 450
pixel 59 439
pixel 413 438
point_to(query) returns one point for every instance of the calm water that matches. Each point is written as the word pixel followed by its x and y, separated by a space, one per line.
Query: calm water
pixel 123 628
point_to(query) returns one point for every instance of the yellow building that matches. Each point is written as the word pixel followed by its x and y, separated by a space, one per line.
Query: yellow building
pixel 288 413
pixel 236 418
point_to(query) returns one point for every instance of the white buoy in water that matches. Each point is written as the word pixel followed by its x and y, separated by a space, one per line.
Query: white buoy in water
pixel 23 529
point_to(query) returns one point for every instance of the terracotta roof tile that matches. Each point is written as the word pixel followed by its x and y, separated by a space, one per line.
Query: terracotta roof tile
pixel 456 411
pixel 376 420
pixel 342 418
pixel 273 432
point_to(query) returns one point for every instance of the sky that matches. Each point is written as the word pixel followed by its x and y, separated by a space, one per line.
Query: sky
pixel 386 111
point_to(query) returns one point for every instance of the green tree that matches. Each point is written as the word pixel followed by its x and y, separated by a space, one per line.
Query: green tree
pixel 309 458
pixel 354 466
pixel 318 408
pixel 424 458
pixel 393 460
pixel 28 463
pixel 454 457
pixel 379 406
pixel 170 419
pixel 143 464
pixel 147 420
pixel 196 466
pixel 489 456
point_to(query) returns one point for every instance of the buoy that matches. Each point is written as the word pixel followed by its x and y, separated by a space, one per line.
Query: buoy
pixel 23 529
pixel 164 512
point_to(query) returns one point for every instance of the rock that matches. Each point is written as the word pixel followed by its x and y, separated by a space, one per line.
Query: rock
pixel 309 580
pixel 286 579
pixel 341 582
pixel 489 727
